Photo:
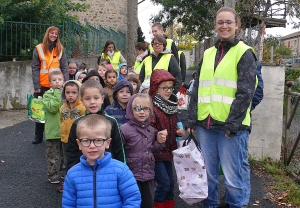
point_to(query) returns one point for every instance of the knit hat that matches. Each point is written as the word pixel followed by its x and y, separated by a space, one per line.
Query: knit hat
pixel 121 84
pixel 94 73
pixel 145 85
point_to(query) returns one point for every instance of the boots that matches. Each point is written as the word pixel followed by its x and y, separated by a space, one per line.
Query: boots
pixel 159 205
pixel 39 133
pixel 169 203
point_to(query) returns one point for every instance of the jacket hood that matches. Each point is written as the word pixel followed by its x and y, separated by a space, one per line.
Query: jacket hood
pixel 94 73
pixel 129 114
pixel 158 76
pixel 122 64
pixel 63 97
pixel 120 84
pixel 78 74
pixel 145 85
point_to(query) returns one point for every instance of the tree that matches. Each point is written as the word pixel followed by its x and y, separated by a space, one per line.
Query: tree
pixel 183 40
pixel 141 37
pixel 47 11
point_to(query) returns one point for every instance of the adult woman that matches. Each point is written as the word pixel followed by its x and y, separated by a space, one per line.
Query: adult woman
pixel 160 60
pixel 141 49
pixel 219 106
pixel 111 53
pixel 47 57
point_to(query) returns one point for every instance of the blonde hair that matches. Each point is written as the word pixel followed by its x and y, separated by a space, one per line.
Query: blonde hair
pixel 91 84
pixel 58 44
pixel 55 73
pixel 92 121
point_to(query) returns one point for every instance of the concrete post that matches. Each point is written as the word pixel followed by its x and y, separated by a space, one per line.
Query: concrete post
pixel 229 3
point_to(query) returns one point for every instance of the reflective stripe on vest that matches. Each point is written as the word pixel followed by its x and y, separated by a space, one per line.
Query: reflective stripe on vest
pixel 217 87
pixel 49 62
pixel 163 63
pixel 168 46
pixel 115 61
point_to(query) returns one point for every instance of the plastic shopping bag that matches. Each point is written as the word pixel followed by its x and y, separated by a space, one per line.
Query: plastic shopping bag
pixel 182 99
pixel 191 171
pixel 35 109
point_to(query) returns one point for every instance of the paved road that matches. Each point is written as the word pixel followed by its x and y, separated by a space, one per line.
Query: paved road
pixel 23 169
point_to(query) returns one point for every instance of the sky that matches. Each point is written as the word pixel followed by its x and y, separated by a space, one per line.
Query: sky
pixel 146 9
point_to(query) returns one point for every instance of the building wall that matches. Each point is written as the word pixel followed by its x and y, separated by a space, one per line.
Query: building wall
pixel 108 13
pixel 294 44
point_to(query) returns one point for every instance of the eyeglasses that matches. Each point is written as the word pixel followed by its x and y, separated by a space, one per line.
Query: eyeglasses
pixel 166 88
pixel 139 108
pixel 157 44
pixel 98 142
pixel 227 22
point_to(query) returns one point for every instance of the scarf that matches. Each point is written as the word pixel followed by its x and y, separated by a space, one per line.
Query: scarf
pixel 111 54
pixel 167 106
pixel 141 56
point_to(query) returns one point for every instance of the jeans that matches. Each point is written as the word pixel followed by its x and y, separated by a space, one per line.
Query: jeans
pixel 246 172
pixel 165 181
pixel 217 149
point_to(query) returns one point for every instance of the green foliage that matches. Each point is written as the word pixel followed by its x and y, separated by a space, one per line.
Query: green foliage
pixel 141 37
pixel 194 68
pixel 45 11
pixel 292 73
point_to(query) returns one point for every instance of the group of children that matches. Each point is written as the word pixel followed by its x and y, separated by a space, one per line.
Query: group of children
pixel 99 125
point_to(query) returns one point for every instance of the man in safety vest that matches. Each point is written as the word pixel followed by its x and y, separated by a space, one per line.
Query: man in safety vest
pixel 158 30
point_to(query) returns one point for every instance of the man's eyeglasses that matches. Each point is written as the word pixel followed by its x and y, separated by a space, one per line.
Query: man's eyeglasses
pixel 166 88
pixel 227 22
pixel 98 142
pixel 157 44
pixel 139 108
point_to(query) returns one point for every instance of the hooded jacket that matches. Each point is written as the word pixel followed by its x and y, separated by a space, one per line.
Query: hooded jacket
pixel 108 183
pixel 161 120
pixel 115 110
pixel 69 114
pixel 116 146
pixel 139 144
pixel 120 77
pixel 246 68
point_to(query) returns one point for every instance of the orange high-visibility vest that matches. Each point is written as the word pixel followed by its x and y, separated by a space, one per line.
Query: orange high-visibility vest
pixel 49 62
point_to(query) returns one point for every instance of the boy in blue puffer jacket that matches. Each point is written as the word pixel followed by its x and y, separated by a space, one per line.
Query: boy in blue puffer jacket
pixel 98 180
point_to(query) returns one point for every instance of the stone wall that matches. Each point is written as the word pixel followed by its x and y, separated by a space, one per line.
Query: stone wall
pixel 108 13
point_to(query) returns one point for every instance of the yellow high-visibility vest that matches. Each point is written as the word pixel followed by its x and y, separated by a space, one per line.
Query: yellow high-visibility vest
pixel 115 61
pixel 163 63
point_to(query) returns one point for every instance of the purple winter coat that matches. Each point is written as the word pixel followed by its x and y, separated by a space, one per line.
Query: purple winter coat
pixel 139 144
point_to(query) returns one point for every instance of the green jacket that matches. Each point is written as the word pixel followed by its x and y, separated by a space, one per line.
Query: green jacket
pixel 52 103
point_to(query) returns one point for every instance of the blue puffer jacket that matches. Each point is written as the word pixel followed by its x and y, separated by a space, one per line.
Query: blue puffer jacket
pixel 109 183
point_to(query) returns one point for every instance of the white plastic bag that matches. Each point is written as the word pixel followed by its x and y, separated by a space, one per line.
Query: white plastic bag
pixel 191 171
pixel 182 99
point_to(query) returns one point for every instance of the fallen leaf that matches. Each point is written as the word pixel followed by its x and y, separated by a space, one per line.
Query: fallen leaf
pixel 257 202
pixel 2 161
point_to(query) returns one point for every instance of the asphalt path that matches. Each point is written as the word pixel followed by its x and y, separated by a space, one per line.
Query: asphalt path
pixel 23 172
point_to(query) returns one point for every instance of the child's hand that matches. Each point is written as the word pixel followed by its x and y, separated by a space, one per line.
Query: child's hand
pixel 162 136
pixel 180 132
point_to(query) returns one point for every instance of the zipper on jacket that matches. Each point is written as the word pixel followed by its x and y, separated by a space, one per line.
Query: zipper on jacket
pixel 95 191
pixel 220 58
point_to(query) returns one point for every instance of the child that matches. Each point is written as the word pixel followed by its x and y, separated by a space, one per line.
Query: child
pixel 139 151
pixel 111 81
pixel 121 94
pixel 98 180
pixel 144 87
pixel 72 68
pixel 123 70
pixel 71 109
pixel 191 84
pixel 106 62
pixel 135 82
pixel 101 70
pixel 94 75
pixel 91 93
pixel 52 103
pixel 165 117
pixel 79 76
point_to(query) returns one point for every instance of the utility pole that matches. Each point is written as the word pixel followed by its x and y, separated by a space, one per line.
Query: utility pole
pixel 229 3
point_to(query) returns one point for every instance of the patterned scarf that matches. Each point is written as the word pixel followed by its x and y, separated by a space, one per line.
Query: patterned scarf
pixel 167 106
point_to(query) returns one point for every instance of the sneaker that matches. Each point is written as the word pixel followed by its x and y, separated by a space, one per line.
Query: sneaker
pixel 53 180
pixel 60 188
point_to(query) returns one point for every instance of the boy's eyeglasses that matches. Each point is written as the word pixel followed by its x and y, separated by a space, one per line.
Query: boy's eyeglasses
pixel 157 44
pixel 139 108
pixel 166 88
pixel 87 142
pixel 227 22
